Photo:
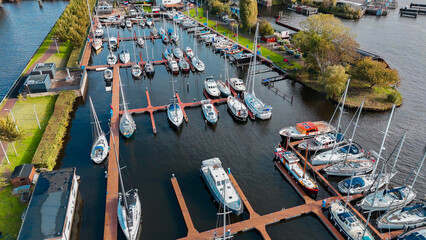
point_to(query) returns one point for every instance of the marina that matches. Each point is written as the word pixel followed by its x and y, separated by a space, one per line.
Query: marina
pixel 193 217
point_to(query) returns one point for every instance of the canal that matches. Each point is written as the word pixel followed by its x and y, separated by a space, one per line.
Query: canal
pixel 247 149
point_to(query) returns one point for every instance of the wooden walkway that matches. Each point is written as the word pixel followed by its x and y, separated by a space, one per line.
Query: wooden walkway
pixel 110 227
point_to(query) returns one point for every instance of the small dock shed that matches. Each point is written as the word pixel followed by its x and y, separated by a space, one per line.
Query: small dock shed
pixel 23 175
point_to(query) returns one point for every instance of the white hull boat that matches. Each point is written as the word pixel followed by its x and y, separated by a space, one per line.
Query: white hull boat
pixel 112 42
pixel 388 199
pixel 363 183
pixel 322 142
pixel 352 151
pixel 111 59
pixel 99 33
pixel 97 44
pixel 211 87
pixel 406 217
pixel 189 52
pixel 257 107
pixel 184 65
pixel 175 114
pixel 209 111
pixel 178 53
pixel 108 75
pixel 128 23
pixel 223 88
pixel 174 67
pixel 305 130
pixel 136 70
pixel 349 167
pixel 168 55
pixel 237 84
pixel 237 109
pixel 220 185
pixel 198 64
pixel 140 41
pixel 130 222
pixel 100 147
pixel 125 56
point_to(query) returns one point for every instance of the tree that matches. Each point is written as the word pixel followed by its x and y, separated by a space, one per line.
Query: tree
pixel 3 182
pixel 265 28
pixel 8 131
pixel 326 41
pixel 248 13
pixel 334 80
pixel 375 73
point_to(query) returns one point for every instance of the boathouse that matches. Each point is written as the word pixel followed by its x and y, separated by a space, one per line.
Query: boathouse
pixel 23 175
pixel 52 206
pixel 269 38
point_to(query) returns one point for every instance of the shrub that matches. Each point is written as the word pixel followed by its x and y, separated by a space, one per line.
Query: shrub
pixel 393 97
pixel 51 143
pixel 334 80
pixel 265 28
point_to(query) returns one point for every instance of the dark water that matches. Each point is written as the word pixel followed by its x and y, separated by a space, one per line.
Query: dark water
pixel 23 27
pixel 245 148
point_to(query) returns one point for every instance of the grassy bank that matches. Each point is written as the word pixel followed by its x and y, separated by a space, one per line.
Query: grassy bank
pixel 245 41
pixel 10 207
pixel 52 140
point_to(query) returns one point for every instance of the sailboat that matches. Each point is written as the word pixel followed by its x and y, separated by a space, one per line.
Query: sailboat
pixel 416 234
pixel 168 55
pixel 124 56
pixel 149 66
pixel 140 40
pixel 196 62
pixel 223 88
pixel 97 43
pixel 100 146
pixel 149 22
pixel 129 206
pixel 136 69
pixel 209 111
pixel 174 112
pixel 189 52
pixel 406 217
pixel 174 36
pixel 256 106
pixel 178 53
pixel 111 58
pixel 216 179
pixel 108 75
pixel 127 124
pixel 291 162
pixel 391 198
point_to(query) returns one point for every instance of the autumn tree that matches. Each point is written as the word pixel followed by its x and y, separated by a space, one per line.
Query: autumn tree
pixel 334 80
pixel 8 131
pixel 375 73
pixel 265 28
pixel 326 42
pixel 248 13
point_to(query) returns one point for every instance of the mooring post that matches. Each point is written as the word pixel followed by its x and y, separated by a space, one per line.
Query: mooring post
pixel 40 4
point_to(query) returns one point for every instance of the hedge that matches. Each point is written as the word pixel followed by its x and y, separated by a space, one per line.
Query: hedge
pixel 51 143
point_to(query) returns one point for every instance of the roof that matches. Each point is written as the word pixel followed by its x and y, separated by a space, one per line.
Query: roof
pixel 23 170
pixel 306 125
pixel 44 67
pixel 37 79
pixel 270 36
pixel 46 212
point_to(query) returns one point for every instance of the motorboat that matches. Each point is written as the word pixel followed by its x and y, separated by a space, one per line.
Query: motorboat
pixel 349 167
pixel 128 23
pixel 168 55
pixel 305 130
pixel 189 53
pixel 149 68
pixel 127 125
pixel 348 223
pixel 184 65
pixel 407 217
pixel 257 107
pixel 136 70
pixel 174 37
pixel 174 67
pixel 108 74
pixel 223 88
pixel 178 53
pixel 220 185
pixel 140 41
pixel 99 33
pixel 233 51
pixel 237 109
pixel 209 111
pixel 237 84
pixel 97 44
pixel 142 23
pixel 112 42
pixel 198 64
pixel 322 142
pixel 125 56
pixel 111 58
pixel 100 146
pixel 291 163
pixel 123 24
pixel 165 38
pixel 149 22
pixel 242 57
pixel 388 199
pixel 350 151
pixel 162 31
pixel 416 234
pixel 154 32
pixel 211 87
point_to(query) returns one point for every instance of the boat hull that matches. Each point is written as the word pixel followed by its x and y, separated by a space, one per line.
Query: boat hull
pixel 130 233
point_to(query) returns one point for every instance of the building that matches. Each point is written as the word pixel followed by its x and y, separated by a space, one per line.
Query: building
pixel 51 209
pixel 168 4
pixel 44 68
pixel 23 175
pixel 269 38
pixel 103 8
pixel 38 83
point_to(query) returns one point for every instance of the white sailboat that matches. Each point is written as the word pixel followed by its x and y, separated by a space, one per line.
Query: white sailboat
pixel 108 75
pixel 256 106
pixel 405 217
pixel 174 112
pixel 136 69
pixel 111 58
pixel 129 209
pixel 100 146
pixel 127 124
pixel 124 56
pixel 97 43
pixel 149 66
pixel 196 62
pixel 223 88
pixel 189 52
pixel 178 53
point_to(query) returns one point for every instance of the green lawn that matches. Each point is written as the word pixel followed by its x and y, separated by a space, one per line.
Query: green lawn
pixel 275 57
pixel 10 207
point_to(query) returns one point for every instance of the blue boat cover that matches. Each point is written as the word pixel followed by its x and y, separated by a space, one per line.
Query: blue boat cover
pixel 356 182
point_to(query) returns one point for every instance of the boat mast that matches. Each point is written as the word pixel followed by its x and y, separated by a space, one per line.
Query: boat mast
pixel 252 67
pixel 122 97
pixel 90 16
pixel 341 111
pixel 134 51
pixel 146 49
pixel 98 129
pixel 383 141
pixel 226 70
pixel 396 160
pixel 126 206
pixel 353 133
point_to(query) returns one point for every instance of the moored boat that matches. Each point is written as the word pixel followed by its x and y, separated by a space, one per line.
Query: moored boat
pixel 305 130
pixel 189 52
pixel 291 163
pixel 125 56
pixel 174 67
pixel 237 84
pixel 211 87
pixel 100 146
pixel 237 109
pixel 349 167
pixel 136 70
pixel 407 217
pixel 350 151
pixel 168 55
pixel 322 142
pixel 416 234
pixel 220 185
pixel 108 75
pixel 198 64
pixel 140 41
pixel 177 52
pixel 111 58
pixel 184 65
pixel 209 111
pixel 149 22
pixel 174 111
pixel 127 125
pixel 223 88
pixel 388 199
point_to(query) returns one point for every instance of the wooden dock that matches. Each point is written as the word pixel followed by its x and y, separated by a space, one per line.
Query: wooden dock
pixel 110 227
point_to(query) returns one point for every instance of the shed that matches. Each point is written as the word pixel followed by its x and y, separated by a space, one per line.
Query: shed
pixel 269 38
pixel 38 83
pixel 22 175
pixel 44 68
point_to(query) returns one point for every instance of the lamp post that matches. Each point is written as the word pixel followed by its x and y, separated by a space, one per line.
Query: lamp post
pixel 13 118
pixel 56 43
pixel 35 112
pixel 4 152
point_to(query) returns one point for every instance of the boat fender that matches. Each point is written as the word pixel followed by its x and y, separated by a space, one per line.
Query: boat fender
pixel 229 171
